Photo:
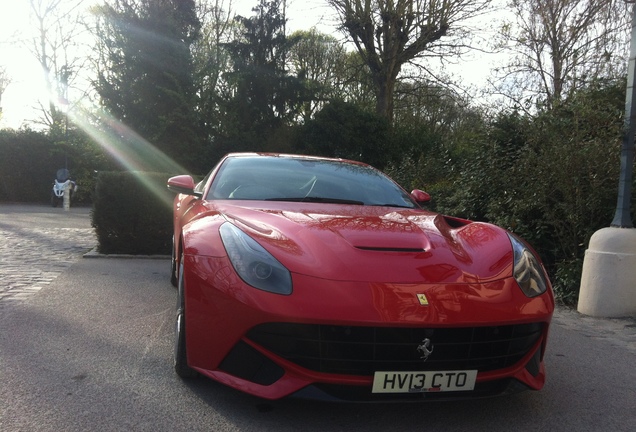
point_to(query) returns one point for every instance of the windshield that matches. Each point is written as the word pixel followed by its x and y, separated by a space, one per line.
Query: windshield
pixel 280 178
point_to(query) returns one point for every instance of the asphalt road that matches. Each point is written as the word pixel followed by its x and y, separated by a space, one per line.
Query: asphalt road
pixel 92 351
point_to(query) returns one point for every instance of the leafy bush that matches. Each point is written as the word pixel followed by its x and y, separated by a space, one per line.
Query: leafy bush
pixel 132 213
pixel 551 178
pixel 567 279
pixel 30 159
pixel 345 130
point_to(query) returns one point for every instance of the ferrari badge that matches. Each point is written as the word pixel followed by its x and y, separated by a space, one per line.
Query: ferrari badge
pixel 423 300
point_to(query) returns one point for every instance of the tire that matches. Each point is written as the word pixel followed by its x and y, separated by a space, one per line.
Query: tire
pixel 173 272
pixel 180 349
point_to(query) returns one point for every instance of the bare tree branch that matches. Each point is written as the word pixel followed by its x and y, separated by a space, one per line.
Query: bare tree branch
pixel 57 31
pixel 390 33
pixel 560 45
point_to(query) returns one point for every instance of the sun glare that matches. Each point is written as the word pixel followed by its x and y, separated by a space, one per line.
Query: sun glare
pixel 128 148
pixel 27 92
pixel 26 88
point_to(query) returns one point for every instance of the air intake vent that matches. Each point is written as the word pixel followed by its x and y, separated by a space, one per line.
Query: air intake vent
pixel 391 249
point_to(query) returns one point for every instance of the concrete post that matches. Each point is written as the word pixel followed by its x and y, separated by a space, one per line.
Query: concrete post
pixel 67 196
pixel 608 281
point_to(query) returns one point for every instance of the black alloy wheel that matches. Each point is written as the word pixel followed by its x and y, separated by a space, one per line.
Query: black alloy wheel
pixel 173 271
pixel 180 354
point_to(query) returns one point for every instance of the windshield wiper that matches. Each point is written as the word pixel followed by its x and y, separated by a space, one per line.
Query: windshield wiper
pixel 318 200
pixel 392 205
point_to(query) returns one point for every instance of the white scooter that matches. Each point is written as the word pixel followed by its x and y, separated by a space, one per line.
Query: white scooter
pixel 61 186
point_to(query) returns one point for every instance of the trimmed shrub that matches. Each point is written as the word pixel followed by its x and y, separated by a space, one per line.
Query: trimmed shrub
pixel 27 166
pixel 30 159
pixel 132 213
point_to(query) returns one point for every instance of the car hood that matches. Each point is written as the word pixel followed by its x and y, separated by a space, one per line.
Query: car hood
pixel 375 244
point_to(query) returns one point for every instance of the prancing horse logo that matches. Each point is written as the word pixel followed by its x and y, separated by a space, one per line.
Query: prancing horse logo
pixel 426 349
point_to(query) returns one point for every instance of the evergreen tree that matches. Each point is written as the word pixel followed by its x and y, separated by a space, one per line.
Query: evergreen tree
pixel 264 96
pixel 146 72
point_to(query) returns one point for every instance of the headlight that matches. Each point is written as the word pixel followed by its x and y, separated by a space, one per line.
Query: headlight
pixel 527 269
pixel 253 263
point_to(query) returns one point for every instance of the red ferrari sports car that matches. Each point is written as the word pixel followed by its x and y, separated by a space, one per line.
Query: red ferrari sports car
pixel 322 278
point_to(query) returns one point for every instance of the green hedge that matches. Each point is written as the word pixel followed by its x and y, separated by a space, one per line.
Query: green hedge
pixel 27 166
pixel 132 213
pixel 30 159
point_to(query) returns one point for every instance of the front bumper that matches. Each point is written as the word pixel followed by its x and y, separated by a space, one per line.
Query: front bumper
pixel 230 339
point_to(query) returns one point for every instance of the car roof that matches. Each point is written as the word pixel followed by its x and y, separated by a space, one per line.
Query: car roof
pixel 291 156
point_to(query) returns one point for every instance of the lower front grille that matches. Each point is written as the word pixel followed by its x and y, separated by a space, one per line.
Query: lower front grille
pixel 357 350
pixel 245 362
pixel 345 393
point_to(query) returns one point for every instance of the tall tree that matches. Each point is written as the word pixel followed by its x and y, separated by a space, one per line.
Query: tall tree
pixel 317 59
pixel 57 27
pixel 4 83
pixel 354 82
pixel 211 59
pixel 562 45
pixel 145 78
pixel 390 33
pixel 264 96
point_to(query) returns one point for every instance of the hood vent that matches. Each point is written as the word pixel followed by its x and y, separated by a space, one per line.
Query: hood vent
pixel 455 222
pixel 391 249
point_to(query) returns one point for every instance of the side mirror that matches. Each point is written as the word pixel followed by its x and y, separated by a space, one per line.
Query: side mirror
pixel 183 184
pixel 420 197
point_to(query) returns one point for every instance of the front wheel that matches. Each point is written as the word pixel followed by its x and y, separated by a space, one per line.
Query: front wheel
pixel 180 349
pixel 173 270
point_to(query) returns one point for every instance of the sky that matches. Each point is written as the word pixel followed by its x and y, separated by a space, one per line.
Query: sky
pixel 26 92
pixel 22 68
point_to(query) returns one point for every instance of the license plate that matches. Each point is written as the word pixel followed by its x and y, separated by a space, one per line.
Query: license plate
pixel 422 382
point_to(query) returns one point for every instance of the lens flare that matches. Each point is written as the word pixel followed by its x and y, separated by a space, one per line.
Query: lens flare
pixel 128 148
